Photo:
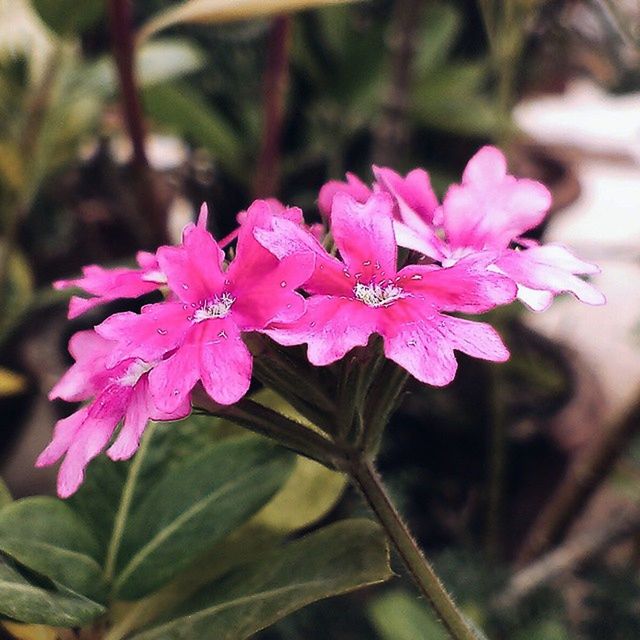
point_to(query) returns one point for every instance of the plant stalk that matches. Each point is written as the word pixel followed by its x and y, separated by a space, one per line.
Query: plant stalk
pixel 368 480
pixel 276 79
pixel 123 46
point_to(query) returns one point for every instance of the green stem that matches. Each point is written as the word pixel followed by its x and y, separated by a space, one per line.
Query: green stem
pixel 267 422
pixel 125 504
pixel 383 399
pixel 366 477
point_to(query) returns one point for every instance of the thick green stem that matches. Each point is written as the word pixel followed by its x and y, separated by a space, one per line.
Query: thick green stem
pixel 267 422
pixel 366 477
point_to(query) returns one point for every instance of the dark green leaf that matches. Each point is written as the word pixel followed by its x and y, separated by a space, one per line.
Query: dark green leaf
pixel 69 17
pixel 26 601
pixel 442 26
pixel 337 559
pixel 46 536
pixel 183 110
pixel 195 505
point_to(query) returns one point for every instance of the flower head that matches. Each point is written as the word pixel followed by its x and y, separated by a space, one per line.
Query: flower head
pixel 365 294
pixel 119 393
pixel 196 334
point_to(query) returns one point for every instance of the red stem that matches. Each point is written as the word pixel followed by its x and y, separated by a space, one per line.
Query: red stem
pixel 276 80
pixel 123 47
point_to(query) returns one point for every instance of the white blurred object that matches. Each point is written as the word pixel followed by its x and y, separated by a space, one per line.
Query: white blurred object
pixel 163 152
pixel 179 215
pixel 585 117
pixel 22 33
pixel 603 226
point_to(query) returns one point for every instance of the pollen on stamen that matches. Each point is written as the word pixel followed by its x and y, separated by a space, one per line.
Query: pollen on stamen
pixel 378 295
pixel 219 307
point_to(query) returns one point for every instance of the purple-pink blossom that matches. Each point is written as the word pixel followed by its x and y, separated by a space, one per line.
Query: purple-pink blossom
pixel 488 212
pixel 365 294
pixel 117 393
pixel 195 335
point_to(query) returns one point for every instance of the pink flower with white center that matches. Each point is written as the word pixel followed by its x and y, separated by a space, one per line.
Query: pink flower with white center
pixel 120 393
pixel 196 335
pixel 106 285
pixel 490 210
pixel 366 294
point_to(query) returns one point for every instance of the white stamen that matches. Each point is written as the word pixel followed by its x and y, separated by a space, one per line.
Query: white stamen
pixel 135 371
pixel 219 307
pixel 376 295
pixel 155 276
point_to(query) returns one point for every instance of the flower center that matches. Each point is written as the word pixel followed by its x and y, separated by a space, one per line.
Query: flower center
pixel 219 307
pixel 377 295
pixel 135 371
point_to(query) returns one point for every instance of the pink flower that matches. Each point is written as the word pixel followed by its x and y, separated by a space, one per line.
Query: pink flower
pixel 106 285
pixel 366 294
pixel 120 393
pixel 415 206
pixel 490 210
pixel 196 334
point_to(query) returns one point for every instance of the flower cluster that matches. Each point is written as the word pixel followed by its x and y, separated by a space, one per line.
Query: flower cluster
pixel 465 255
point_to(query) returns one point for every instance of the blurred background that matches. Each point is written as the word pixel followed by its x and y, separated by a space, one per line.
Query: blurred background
pixel 118 119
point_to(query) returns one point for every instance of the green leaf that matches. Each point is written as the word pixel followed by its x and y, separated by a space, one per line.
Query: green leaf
pixel 337 559
pixel 26 601
pixel 195 505
pixel 213 11
pixel 5 495
pixel 184 111
pixel 46 536
pixel 399 616
pixel 442 27
pixel 68 17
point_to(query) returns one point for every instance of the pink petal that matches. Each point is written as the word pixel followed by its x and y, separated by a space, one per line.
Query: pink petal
pixel 425 348
pixel 551 268
pixel 353 186
pixel 89 372
pixel 225 364
pixel 415 198
pixel 426 242
pixel 171 381
pixel 467 286
pixel 534 299
pixel 106 285
pixel 90 441
pixel 271 296
pixel 490 209
pixel 283 238
pixel 364 235
pixel 331 327
pixel 150 335
pixel 488 166
pixel 64 434
pixel 193 270
pixel 139 411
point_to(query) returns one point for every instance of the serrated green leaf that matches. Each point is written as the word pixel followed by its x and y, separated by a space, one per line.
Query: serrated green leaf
pixel 399 616
pixel 46 536
pixel 25 601
pixel 216 11
pixel 195 505
pixel 69 17
pixel 339 558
